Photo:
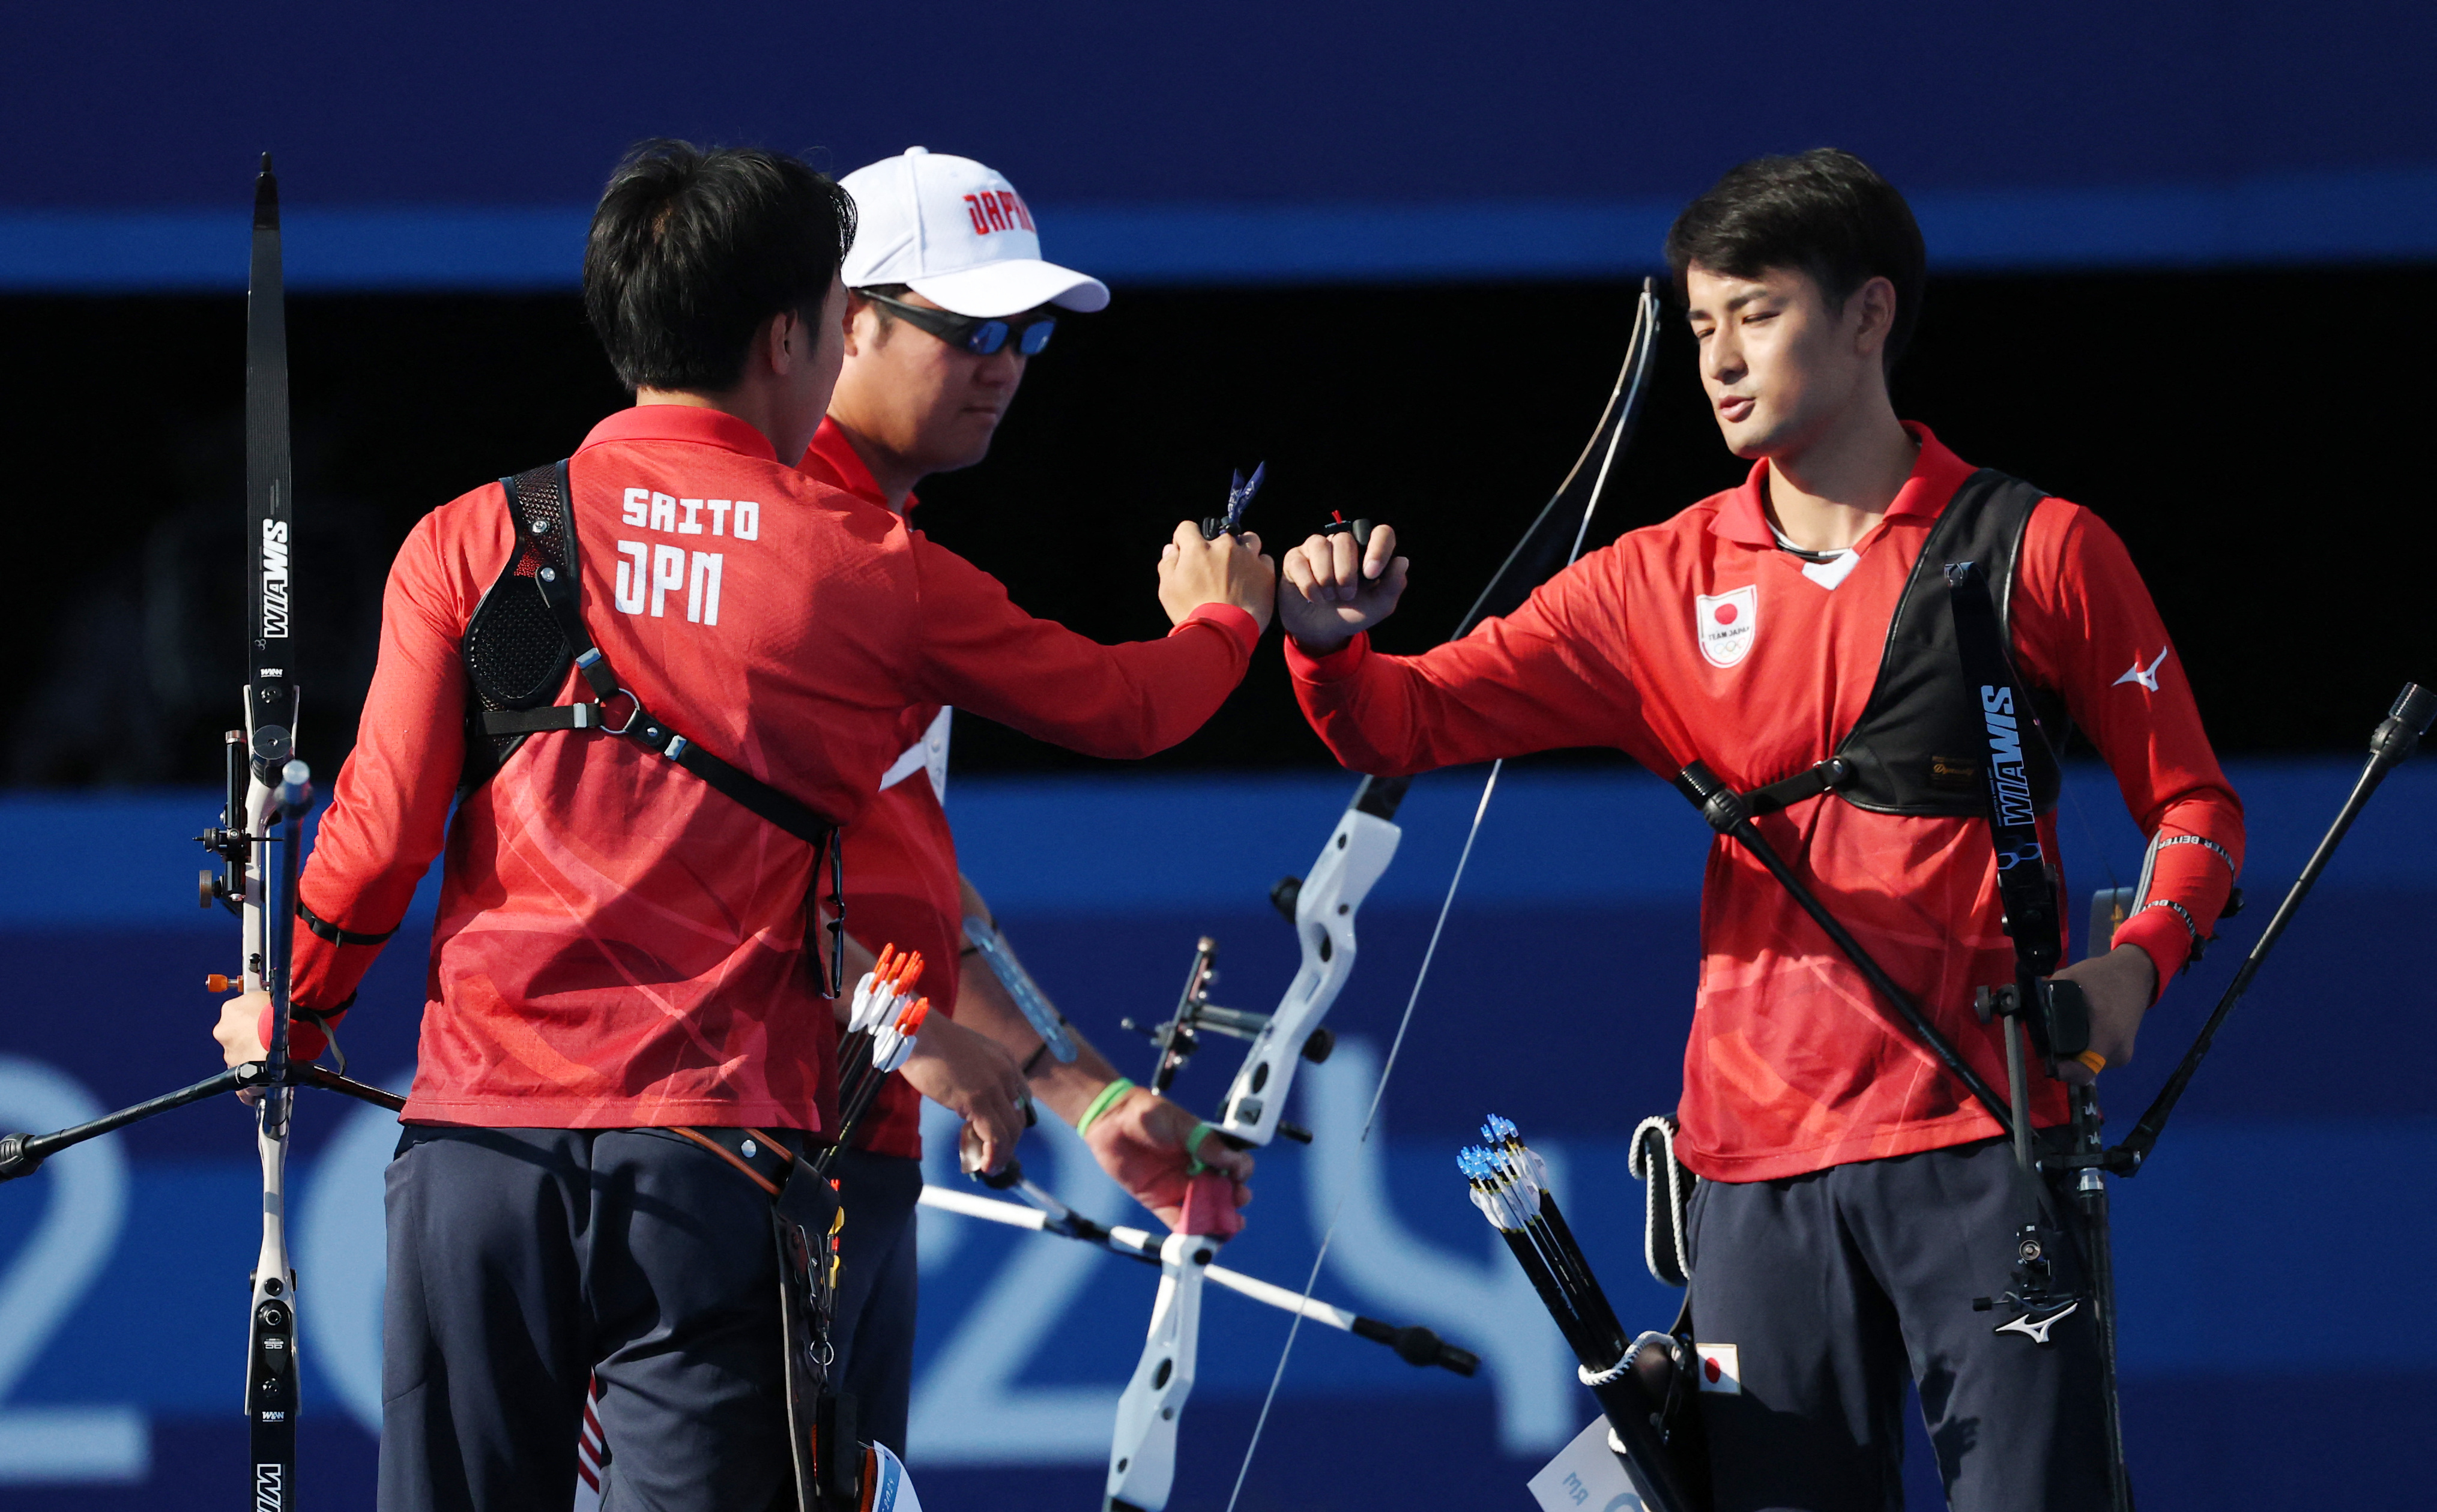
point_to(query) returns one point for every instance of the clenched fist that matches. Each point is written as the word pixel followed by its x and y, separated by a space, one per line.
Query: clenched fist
pixel 1336 589
pixel 1231 569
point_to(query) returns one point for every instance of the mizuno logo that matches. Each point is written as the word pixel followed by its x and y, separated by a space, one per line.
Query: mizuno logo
pixel 275 579
pixel 2146 676
pixel 2036 1329
pixel 2008 780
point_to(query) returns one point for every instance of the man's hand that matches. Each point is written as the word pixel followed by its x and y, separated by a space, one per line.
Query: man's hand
pixel 1231 569
pixel 239 1029
pixel 1335 590
pixel 1140 1140
pixel 2120 986
pixel 1141 1143
pixel 239 1033
pixel 972 1078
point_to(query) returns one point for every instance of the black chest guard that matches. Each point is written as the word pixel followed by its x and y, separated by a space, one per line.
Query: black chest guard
pixel 516 656
pixel 1919 746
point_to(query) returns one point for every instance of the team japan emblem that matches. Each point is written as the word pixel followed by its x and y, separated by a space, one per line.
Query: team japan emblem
pixel 1725 623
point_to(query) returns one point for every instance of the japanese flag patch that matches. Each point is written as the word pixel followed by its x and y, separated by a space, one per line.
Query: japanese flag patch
pixel 1725 624
pixel 1721 1367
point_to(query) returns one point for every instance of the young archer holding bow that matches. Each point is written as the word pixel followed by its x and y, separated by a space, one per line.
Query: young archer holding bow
pixel 1855 1197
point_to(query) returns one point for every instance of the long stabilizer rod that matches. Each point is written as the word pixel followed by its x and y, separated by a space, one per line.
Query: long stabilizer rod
pixel 20 1154
pixel 2389 746
pixel 1414 1345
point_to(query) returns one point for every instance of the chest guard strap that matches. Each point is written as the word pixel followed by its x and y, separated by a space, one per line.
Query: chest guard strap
pixel 516 656
pixel 1919 747
pixel 528 629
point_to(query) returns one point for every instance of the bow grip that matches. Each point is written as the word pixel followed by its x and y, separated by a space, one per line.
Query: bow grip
pixel 1210 1206
pixel 2063 1023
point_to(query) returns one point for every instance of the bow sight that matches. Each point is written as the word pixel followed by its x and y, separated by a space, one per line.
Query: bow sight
pixel 1179 1038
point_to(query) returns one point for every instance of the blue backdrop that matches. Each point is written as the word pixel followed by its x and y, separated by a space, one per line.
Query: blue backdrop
pixel 461 143
pixel 2277 1345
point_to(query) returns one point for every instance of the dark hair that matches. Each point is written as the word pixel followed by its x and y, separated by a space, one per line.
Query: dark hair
pixel 1824 213
pixel 691 251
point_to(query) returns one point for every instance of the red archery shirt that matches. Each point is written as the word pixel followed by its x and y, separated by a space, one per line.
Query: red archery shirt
pixel 902 881
pixel 1699 638
pixel 617 945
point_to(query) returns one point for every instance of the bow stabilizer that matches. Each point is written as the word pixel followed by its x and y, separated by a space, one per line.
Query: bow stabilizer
pixel 2389 745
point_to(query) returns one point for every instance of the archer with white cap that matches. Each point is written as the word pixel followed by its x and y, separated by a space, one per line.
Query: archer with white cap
pixel 949 301
pixel 947 246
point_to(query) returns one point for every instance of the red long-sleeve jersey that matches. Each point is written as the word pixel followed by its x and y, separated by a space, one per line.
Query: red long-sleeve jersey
pixel 902 888
pixel 617 945
pixel 1700 639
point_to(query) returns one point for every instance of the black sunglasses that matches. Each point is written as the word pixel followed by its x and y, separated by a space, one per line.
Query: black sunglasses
pixel 968 333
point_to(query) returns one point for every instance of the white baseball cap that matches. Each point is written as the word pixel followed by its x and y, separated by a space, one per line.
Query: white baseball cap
pixel 958 235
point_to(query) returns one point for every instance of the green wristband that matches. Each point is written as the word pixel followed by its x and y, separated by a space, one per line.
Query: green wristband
pixel 1195 1165
pixel 1101 1104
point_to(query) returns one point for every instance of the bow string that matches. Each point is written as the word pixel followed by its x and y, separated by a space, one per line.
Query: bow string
pixel 1553 543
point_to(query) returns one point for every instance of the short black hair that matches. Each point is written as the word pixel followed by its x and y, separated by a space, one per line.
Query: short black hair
pixel 692 249
pixel 1824 213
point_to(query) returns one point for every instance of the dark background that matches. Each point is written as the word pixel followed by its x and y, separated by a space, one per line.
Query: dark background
pixel 2245 432
pixel 129 103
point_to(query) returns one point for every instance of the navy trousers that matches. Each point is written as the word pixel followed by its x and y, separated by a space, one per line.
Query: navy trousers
pixel 1832 1286
pixel 874 1332
pixel 525 1261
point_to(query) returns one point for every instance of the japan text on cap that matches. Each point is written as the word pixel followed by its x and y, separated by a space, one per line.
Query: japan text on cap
pixel 958 235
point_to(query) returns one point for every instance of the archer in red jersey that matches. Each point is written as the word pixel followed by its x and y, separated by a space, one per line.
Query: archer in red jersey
pixel 621 947
pixel 944 319
pixel 1854 1200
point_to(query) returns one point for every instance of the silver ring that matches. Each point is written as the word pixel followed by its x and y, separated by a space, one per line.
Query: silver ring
pixel 636 714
